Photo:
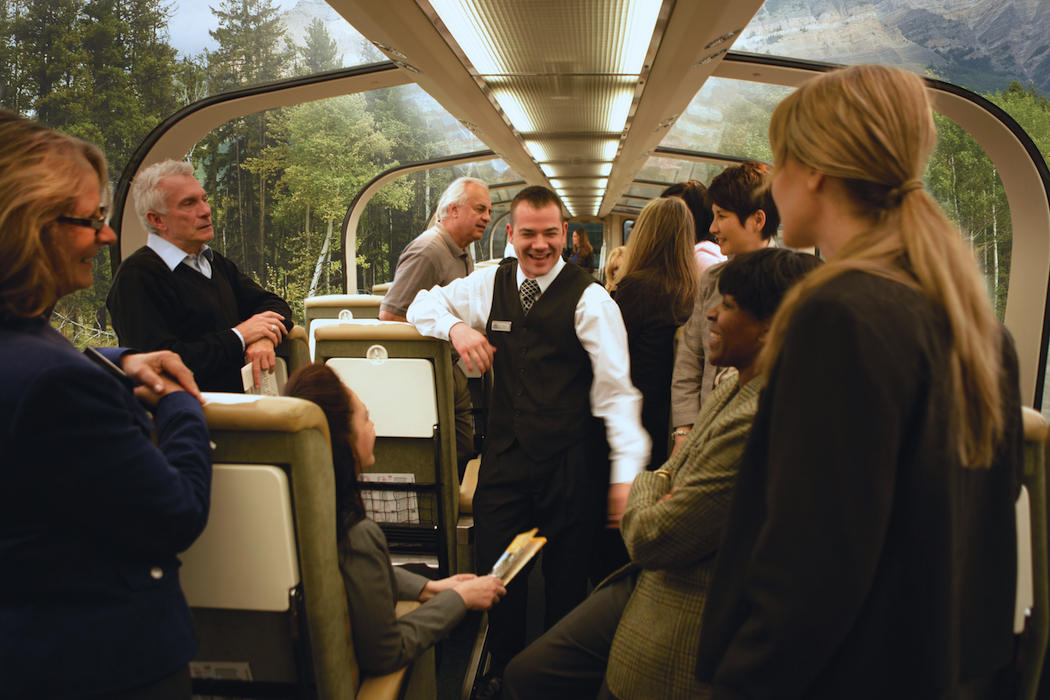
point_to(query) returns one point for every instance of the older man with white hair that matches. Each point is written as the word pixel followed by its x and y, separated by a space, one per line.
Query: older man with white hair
pixel 435 258
pixel 175 293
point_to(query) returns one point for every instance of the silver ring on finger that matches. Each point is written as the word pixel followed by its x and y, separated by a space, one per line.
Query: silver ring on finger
pixel 273 328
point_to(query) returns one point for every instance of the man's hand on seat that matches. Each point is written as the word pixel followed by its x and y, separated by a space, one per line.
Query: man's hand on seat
pixel 268 325
pixel 159 374
pixel 260 354
pixel 475 349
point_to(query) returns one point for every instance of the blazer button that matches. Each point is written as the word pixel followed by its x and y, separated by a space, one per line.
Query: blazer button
pixel 524 350
pixel 157 572
pixel 520 393
pixel 517 414
pixel 521 371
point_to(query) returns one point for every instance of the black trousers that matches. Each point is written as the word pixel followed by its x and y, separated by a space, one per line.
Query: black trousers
pixel 175 686
pixel 570 660
pixel 565 498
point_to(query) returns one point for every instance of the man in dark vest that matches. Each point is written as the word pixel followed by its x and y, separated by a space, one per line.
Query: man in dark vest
pixel 561 368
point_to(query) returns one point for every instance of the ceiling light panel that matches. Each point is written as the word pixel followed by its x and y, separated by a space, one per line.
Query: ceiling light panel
pixel 564 147
pixel 592 36
pixel 580 102
pixel 576 182
pixel 569 169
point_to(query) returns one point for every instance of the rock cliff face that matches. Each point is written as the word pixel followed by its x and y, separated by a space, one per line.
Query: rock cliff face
pixel 981 44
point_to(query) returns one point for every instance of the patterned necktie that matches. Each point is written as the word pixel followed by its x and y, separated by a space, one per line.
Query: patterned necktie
pixel 529 291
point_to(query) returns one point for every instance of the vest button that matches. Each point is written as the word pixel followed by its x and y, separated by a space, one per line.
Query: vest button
pixel 524 330
pixel 521 371
pixel 517 414
pixel 156 572
pixel 524 350
pixel 520 393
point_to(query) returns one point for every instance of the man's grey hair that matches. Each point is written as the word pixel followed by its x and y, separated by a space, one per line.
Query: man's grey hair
pixel 147 193
pixel 457 194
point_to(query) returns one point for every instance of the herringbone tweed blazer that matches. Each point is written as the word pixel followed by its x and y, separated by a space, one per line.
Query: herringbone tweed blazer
pixel 674 542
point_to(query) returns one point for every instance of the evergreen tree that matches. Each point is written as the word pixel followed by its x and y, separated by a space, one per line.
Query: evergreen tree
pixel 321 53
pixel 251 50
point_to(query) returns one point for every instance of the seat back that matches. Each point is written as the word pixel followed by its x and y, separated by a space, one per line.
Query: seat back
pixel 329 306
pixel 406 381
pixel 1034 584
pixel 246 559
pixel 273 517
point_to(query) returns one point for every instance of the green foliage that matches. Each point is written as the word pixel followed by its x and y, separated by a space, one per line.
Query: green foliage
pixel 281 182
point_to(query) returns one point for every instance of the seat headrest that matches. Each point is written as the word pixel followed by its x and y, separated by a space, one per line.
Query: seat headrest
pixel 343 300
pixel 264 413
pixel 369 329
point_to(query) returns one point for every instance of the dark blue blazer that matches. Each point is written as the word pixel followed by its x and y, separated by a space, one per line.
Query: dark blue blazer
pixel 92 516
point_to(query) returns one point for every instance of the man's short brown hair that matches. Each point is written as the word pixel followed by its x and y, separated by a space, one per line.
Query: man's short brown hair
pixel 536 197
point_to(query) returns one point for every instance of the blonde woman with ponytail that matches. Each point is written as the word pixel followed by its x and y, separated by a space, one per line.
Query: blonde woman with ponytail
pixel 870 550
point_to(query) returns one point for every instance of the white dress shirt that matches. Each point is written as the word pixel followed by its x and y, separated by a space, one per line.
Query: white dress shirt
pixel 600 329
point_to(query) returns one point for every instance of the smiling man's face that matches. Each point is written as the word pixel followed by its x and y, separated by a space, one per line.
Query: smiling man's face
pixel 538 236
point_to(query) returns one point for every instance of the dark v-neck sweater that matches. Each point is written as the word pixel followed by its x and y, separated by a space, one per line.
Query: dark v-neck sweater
pixel 154 308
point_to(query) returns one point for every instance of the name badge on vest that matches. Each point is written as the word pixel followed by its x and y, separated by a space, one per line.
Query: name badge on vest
pixel 501 326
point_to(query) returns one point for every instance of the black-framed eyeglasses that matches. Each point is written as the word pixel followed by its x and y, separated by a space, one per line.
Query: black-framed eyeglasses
pixel 97 224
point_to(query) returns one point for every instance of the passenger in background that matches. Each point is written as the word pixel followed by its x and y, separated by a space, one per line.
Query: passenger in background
pixel 612 268
pixel 745 219
pixel 582 251
pixel 694 194
pixel 175 293
pixel 639 630
pixel 657 290
pixel 383 642
pixel 92 514
pixel 561 363
pixel 435 258
pixel 870 549
pixel 439 255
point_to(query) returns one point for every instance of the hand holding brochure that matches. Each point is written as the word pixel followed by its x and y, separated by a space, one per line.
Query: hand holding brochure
pixel 517 555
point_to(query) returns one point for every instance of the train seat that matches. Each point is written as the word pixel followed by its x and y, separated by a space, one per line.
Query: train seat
pixel 294 349
pixel 398 392
pixel 329 306
pixel 263 580
pixel 1033 573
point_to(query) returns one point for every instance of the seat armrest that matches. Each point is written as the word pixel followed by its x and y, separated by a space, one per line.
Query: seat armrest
pixel 469 485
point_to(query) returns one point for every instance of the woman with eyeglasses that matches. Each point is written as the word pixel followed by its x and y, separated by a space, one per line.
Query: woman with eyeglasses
pixel 92 514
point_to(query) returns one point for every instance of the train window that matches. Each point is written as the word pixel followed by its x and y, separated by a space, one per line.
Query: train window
pixel 258 41
pixel 730 118
pixel 281 181
pixel 628 226
pixel 979 49
pixel 404 208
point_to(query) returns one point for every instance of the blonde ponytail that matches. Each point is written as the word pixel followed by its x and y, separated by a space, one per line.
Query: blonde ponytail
pixel 872 127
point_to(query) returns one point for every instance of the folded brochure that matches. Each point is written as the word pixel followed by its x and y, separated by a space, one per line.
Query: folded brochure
pixel 517 555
